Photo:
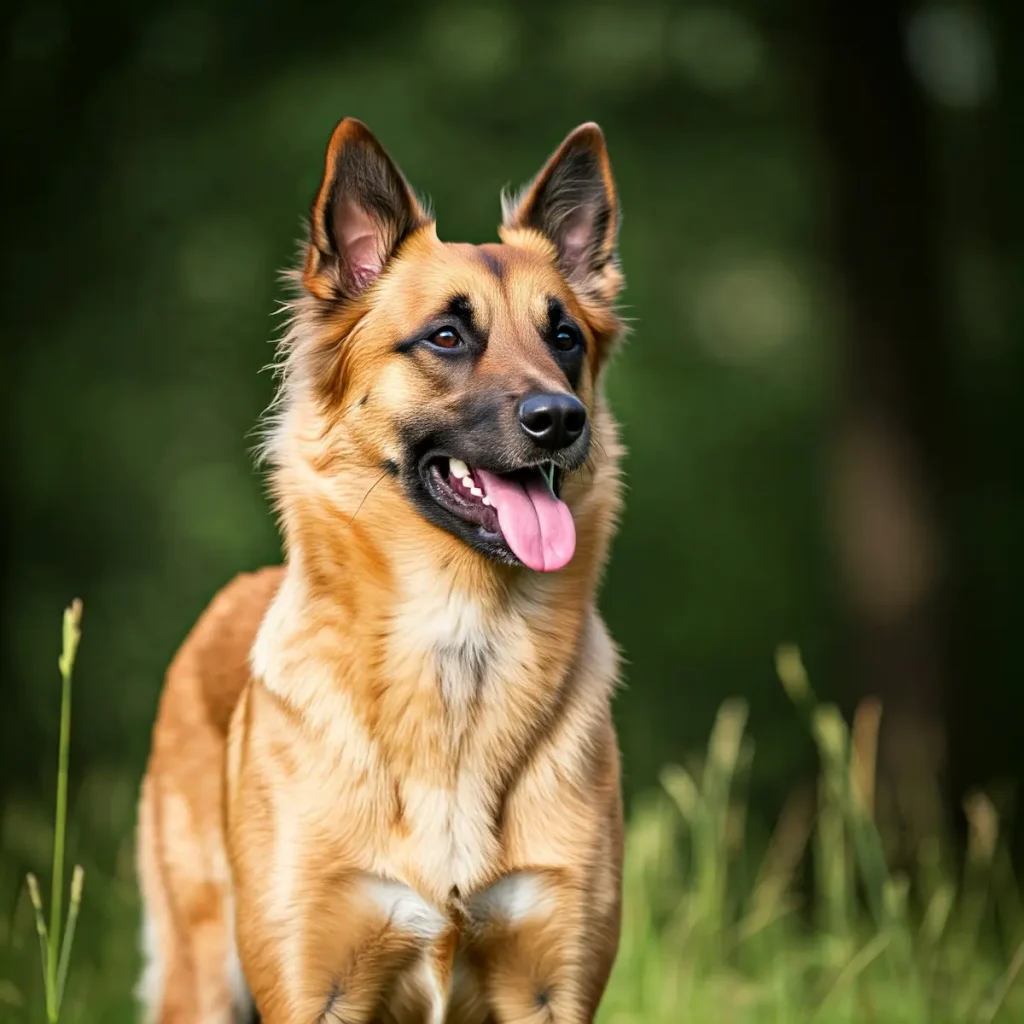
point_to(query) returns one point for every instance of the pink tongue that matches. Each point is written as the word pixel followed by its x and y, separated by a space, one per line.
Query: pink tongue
pixel 537 526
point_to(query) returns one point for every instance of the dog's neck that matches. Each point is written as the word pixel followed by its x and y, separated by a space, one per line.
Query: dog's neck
pixel 430 606
pixel 405 615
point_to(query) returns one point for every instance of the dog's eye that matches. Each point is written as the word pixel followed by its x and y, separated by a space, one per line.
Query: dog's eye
pixel 566 339
pixel 445 338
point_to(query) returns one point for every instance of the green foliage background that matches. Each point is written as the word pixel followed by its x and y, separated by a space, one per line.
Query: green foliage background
pixel 161 158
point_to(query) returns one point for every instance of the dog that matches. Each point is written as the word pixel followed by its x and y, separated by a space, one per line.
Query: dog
pixel 384 781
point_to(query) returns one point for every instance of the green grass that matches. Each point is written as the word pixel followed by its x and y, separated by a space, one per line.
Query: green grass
pixel 811 926
pixel 713 932
pixel 55 951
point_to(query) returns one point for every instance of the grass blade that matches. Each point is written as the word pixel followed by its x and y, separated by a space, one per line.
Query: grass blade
pixel 1005 984
pixel 856 966
pixel 66 663
pixel 44 939
pixel 77 880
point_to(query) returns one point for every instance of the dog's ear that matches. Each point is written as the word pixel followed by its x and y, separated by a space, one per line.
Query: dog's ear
pixel 573 203
pixel 363 211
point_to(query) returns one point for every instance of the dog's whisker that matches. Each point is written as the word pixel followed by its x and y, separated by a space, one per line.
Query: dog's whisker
pixel 383 474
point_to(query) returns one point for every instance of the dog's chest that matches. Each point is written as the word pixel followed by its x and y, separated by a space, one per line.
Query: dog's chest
pixel 449 806
pixel 450 799
pixel 448 842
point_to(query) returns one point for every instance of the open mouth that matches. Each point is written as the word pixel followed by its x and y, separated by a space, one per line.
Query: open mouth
pixel 519 511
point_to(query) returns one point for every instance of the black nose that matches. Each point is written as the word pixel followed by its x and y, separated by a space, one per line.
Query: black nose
pixel 552 421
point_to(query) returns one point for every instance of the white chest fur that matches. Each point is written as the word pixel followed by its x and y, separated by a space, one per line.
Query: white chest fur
pixel 462 650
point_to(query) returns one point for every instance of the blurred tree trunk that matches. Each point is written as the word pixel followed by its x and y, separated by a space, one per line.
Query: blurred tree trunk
pixel 890 455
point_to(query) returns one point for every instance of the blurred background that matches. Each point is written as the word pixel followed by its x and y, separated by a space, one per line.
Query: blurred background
pixel 823 250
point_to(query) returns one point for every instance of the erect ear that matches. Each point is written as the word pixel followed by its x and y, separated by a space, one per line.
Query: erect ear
pixel 363 211
pixel 573 203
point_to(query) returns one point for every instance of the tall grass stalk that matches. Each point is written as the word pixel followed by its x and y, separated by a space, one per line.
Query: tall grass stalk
pixel 55 952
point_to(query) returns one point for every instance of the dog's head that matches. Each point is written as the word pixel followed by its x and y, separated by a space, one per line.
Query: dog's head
pixel 467 374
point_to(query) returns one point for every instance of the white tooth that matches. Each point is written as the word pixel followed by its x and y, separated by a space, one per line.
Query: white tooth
pixel 476 492
pixel 468 481
pixel 486 500
pixel 458 468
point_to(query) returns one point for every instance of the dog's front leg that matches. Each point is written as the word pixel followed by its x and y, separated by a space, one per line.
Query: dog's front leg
pixel 348 951
pixel 537 950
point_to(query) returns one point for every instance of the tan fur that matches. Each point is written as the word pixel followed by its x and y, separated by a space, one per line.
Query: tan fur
pixel 389 766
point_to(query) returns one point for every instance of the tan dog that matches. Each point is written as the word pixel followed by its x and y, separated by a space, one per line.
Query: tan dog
pixel 384 783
